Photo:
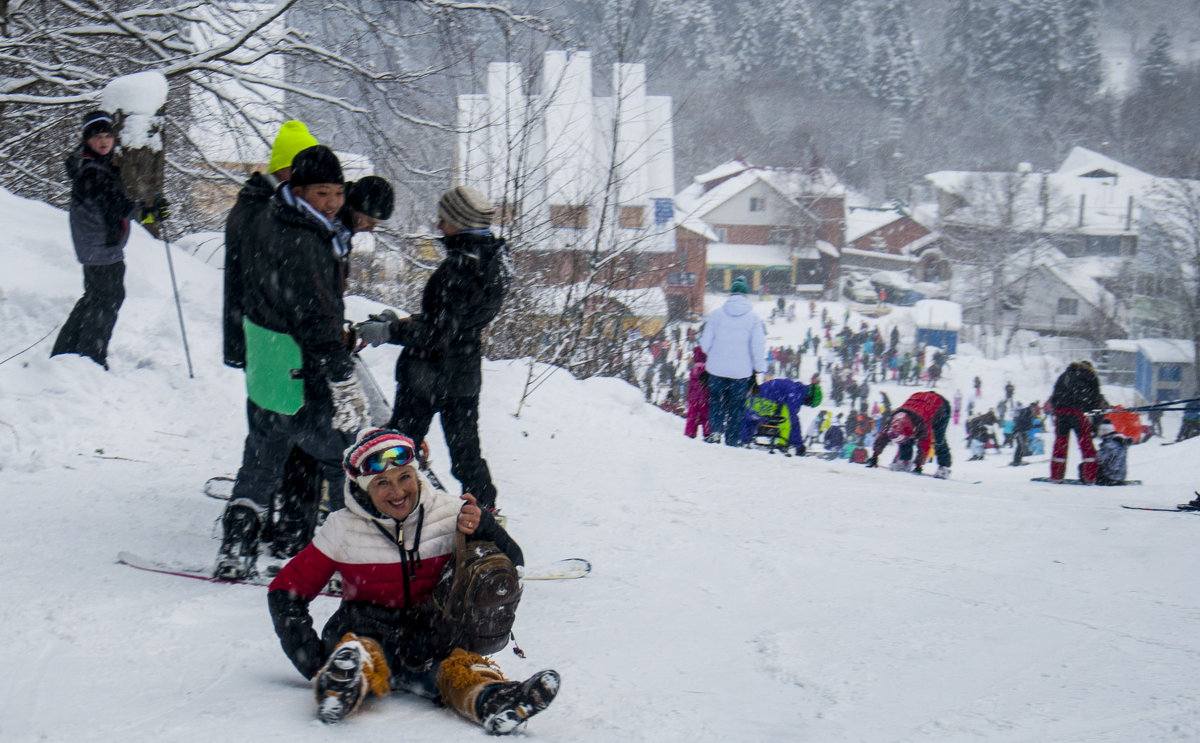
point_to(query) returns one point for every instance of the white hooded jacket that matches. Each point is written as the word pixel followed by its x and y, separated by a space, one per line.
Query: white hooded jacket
pixel 735 339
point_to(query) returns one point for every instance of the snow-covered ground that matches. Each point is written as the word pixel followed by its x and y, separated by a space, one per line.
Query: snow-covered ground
pixel 736 596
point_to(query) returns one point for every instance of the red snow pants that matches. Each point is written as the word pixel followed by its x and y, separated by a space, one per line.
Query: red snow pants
pixel 1065 421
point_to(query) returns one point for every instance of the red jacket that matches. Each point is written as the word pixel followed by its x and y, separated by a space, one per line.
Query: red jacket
pixel 921 408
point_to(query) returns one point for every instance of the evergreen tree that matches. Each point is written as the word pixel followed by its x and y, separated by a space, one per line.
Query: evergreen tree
pixel 1081 63
pixel 1157 71
pixel 842 47
pixel 895 70
pixel 1032 40
pixel 962 43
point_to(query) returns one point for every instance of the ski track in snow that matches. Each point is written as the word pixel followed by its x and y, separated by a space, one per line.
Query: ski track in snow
pixel 734 595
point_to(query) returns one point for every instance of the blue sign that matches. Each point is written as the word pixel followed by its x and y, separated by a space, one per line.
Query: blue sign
pixel 664 211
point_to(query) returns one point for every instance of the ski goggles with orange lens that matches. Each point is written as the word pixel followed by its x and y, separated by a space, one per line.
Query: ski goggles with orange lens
pixel 393 456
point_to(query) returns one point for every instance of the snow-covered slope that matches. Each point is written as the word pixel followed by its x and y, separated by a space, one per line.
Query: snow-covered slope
pixel 735 595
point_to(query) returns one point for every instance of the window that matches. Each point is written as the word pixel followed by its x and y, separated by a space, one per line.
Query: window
pixel 632 217
pixel 573 216
pixel 782 236
pixel 1170 373
pixel 1068 306
pixel 758 204
pixel 722 233
pixel 1102 244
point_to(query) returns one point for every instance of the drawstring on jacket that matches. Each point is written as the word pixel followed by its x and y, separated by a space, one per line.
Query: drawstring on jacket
pixel 410 560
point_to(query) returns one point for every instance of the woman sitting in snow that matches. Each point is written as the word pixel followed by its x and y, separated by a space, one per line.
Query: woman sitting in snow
pixel 395 545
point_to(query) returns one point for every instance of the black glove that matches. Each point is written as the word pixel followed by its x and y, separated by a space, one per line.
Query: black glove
pixel 873 461
pixel 159 210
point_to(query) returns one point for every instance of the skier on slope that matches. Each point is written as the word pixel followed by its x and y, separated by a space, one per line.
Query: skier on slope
pixel 391 544
pixel 921 421
pixel 1076 392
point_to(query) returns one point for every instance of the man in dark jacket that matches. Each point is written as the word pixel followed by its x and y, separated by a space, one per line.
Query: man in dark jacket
pixel 252 201
pixel 299 375
pixel 99 215
pixel 439 370
pixel 1076 393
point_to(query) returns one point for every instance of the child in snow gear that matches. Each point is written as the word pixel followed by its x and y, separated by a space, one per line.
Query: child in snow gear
pixel 100 212
pixel 299 374
pixel 1076 391
pixel 439 370
pixel 697 396
pixel 1111 454
pixel 920 421
pixel 394 545
pixel 772 418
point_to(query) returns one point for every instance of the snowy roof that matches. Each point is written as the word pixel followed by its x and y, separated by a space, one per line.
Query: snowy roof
pixel 865 220
pixel 791 183
pixel 1167 350
pixel 1121 345
pixel 938 313
pixel 733 254
pixel 1090 193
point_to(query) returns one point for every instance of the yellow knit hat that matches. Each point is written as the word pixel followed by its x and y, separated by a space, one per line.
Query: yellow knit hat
pixel 292 138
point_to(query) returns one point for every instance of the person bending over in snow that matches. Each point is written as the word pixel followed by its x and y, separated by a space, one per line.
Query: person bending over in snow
pixel 400 625
pixel 921 420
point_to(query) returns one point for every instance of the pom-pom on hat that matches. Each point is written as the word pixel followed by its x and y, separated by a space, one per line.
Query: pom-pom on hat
pixel 371 441
pixel 371 196
pixel 293 138
pixel 465 208
pixel 317 164
pixel 739 286
pixel 97 122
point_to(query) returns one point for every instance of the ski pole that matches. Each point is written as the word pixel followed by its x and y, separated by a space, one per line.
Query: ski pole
pixel 1166 405
pixel 178 307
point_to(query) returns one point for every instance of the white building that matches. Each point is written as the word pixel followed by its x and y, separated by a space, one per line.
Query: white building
pixel 582 172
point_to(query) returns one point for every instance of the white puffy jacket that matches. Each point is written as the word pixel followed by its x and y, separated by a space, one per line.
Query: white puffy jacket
pixel 735 339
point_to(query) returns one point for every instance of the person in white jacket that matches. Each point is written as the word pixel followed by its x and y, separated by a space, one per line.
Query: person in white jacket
pixel 735 340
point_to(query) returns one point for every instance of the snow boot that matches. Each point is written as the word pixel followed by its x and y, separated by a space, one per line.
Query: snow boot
pixel 239 547
pixel 475 687
pixel 942 473
pixel 356 668
pixel 505 707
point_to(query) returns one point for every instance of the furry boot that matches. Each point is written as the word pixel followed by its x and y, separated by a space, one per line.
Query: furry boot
pixel 356 667
pixel 475 687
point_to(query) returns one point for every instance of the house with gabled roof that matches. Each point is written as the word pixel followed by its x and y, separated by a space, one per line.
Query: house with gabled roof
pixel 893 238
pixel 780 227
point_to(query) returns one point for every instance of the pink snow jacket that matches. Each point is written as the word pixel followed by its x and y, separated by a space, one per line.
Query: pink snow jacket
pixel 697 392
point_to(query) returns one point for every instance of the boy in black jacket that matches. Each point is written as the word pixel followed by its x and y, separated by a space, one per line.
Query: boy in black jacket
pixel 99 215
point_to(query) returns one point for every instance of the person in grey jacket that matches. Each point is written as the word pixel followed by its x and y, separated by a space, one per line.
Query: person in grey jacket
pixel 735 340
pixel 100 212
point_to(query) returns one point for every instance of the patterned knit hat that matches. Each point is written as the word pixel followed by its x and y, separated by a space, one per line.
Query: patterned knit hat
pixel 466 208
pixel 293 138
pixel 372 441
pixel 739 286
